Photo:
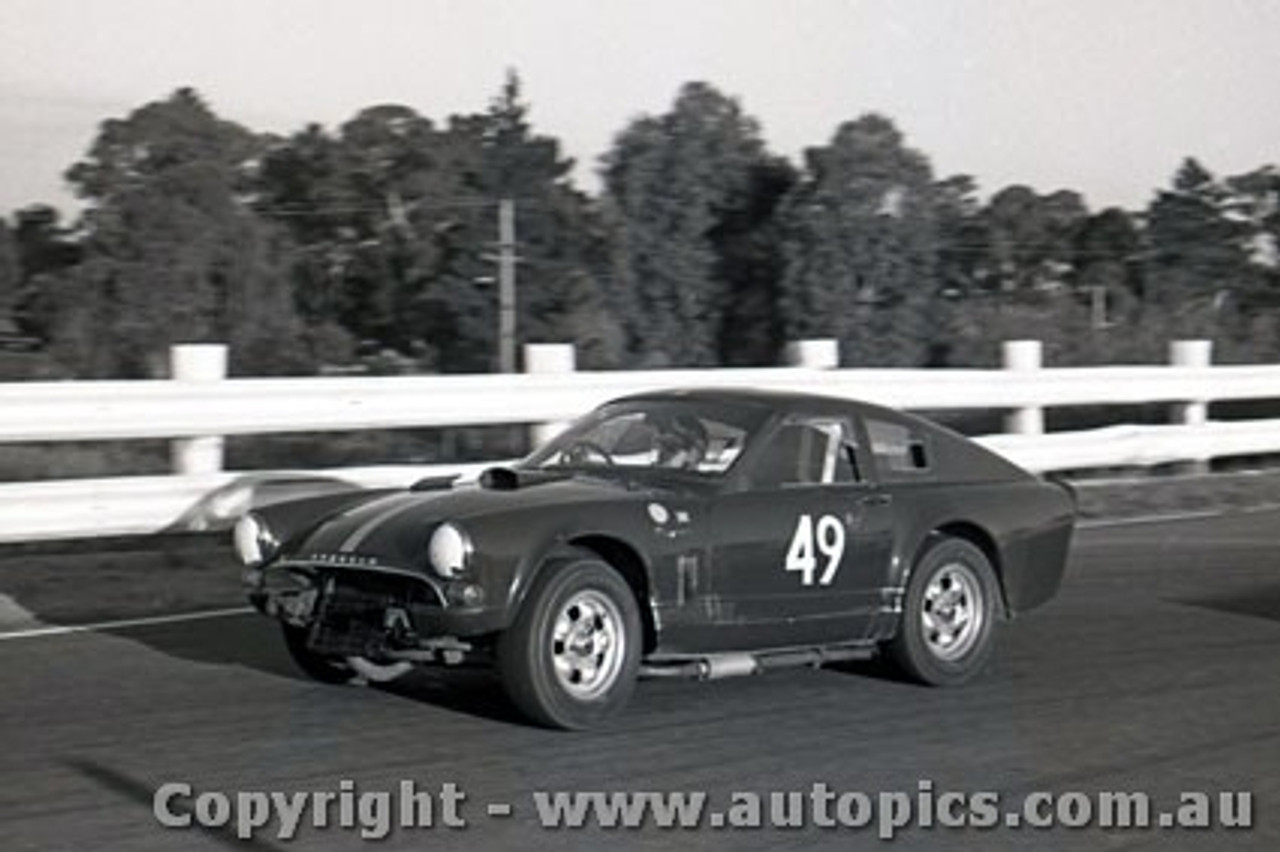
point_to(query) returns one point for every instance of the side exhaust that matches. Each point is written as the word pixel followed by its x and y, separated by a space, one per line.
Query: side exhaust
pixel 717 666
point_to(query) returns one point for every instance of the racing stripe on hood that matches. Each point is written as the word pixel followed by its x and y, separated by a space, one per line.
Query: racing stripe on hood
pixel 332 534
pixel 396 507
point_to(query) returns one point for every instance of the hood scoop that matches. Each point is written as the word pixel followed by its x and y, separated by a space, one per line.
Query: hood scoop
pixel 435 483
pixel 510 479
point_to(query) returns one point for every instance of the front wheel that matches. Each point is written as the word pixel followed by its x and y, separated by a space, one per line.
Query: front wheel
pixel 948 615
pixel 570 658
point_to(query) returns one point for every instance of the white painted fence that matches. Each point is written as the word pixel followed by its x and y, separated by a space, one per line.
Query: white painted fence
pixel 197 409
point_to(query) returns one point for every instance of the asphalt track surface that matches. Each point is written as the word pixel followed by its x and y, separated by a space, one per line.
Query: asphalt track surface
pixel 1157 669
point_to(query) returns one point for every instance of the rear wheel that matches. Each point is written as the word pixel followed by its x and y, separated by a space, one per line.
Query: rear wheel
pixel 570 658
pixel 948 616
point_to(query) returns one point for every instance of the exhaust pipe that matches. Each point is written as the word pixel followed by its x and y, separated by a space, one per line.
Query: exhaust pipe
pixel 712 667
pixel 717 666
pixel 729 665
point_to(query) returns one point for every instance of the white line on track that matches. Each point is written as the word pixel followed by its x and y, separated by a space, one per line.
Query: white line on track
pixel 64 630
pixel 1099 523
pixel 1198 515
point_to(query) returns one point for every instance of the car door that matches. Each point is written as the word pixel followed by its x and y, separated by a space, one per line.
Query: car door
pixel 801 551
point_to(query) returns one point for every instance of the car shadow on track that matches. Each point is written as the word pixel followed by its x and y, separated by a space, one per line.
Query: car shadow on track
pixel 254 642
pixel 471 692
pixel 246 640
pixel 142 794
pixel 876 668
pixel 1257 602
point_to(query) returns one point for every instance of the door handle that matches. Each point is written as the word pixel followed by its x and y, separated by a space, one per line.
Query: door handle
pixel 875 500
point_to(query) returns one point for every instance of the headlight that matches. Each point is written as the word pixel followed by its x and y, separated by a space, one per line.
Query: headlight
pixel 255 543
pixel 449 550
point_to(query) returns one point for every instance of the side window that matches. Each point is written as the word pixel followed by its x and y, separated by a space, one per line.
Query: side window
pixel 899 450
pixel 808 452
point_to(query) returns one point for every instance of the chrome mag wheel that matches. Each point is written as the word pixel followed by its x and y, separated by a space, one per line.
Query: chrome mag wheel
pixel 953 611
pixel 588 644
pixel 570 657
pixel 949 613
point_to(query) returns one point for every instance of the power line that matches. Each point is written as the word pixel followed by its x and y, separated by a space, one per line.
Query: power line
pixel 460 203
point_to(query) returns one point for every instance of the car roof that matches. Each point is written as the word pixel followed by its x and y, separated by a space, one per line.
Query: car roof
pixel 960 458
pixel 775 400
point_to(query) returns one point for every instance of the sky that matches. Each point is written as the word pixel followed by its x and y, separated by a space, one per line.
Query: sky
pixel 1105 97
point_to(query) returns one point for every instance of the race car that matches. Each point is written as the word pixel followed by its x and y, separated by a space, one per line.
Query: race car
pixel 691 533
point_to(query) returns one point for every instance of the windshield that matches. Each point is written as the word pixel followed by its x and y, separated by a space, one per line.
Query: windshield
pixel 666 435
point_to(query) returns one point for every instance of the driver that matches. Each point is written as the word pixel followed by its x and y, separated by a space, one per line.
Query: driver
pixel 681 442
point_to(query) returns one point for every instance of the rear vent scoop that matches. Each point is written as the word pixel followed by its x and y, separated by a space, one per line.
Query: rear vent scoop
pixel 500 479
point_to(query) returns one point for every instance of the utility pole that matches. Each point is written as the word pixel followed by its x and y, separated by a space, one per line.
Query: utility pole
pixel 507 285
pixel 1098 306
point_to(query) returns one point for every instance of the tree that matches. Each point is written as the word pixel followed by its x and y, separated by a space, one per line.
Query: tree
pixel 1198 253
pixel 672 183
pixel 1254 201
pixel 749 261
pixel 10 271
pixel 298 188
pixel 45 251
pixel 172 253
pixel 392 174
pixel 1030 238
pixel 44 244
pixel 962 236
pixel 396 221
pixel 560 241
pixel 1108 265
pixel 860 245
pixel 364 208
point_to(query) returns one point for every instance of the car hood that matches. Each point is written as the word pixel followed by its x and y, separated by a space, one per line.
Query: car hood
pixel 394 527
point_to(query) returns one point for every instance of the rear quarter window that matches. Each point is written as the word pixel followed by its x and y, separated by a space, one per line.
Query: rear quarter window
pixel 900 452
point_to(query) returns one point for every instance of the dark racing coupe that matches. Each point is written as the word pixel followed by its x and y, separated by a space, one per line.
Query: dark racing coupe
pixel 695 533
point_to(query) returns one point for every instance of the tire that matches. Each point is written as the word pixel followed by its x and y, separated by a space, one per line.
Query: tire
pixel 570 658
pixel 320 667
pixel 947 631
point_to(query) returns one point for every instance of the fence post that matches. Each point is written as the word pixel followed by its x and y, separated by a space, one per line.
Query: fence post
pixel 197 363
pixel 817 354
pixel 543 358
pixel 1023 356
pixel 1191 355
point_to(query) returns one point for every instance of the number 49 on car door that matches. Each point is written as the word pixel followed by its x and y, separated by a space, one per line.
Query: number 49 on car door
pixel 803 551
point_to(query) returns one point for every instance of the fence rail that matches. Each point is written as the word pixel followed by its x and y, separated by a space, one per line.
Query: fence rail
pixel 198 408
pixel 81 411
